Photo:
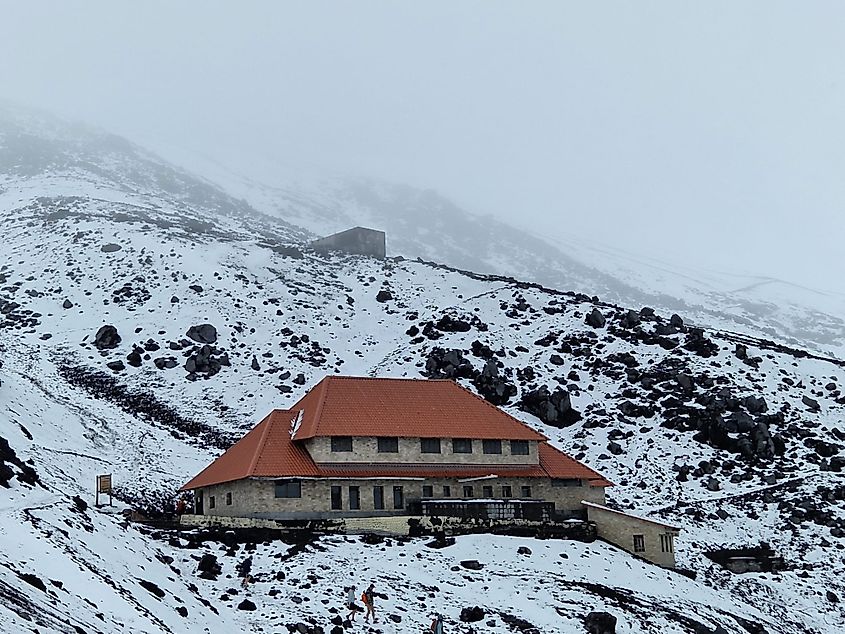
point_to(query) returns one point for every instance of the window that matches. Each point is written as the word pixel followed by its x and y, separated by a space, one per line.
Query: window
pixel 507 492
pixel 354 498
pixel 526 492
pixel 639 543
pixel 566 482
pixel 378 498
pixel 492 446
pixel 430 445
pixel 398 498
pixel 666 545
pixel 519 447
pixel 447 491
pixel 288 489
pixel 487 491
pixel 388 445
pixel 428 491
pixel 229 498
pixel 337 500
pixel 341 443
pixel 211 501
pixel 461 445
pixel 467 491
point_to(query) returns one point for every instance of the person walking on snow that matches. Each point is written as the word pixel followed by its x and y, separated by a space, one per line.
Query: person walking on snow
pixel 367 597
pixel 436 626
pixel 350 603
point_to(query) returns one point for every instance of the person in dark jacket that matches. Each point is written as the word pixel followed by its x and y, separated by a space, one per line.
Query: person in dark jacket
pixel 368 596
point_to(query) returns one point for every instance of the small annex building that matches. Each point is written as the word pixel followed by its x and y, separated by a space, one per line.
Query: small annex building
pixel 358 241
pixel 369 447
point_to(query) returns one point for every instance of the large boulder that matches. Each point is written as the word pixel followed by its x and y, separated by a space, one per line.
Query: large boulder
pixel 472 615
pixel 596 319
pixel 600 623
pixel 203 333
pixel 553 408
pixel 107 338
pixel 492 386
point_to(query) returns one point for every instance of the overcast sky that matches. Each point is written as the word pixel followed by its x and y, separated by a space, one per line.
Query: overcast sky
pixel 708 132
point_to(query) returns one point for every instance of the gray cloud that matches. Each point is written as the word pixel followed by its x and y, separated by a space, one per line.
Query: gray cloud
pixel 711 133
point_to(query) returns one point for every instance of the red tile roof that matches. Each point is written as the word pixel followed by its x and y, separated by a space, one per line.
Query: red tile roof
pixel 413 408
pixel 269 451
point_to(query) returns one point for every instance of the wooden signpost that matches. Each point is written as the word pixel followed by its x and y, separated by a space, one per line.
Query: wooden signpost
pixel 103 486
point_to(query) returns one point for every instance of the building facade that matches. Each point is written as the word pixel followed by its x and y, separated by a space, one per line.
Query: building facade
pixel 366 447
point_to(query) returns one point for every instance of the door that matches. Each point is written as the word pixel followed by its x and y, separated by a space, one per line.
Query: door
pixel 199 503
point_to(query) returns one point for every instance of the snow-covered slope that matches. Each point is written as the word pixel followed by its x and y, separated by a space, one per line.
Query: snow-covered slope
pixel 670 413
pixel 425 224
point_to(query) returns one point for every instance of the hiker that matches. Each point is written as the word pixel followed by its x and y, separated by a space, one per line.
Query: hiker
pixel 367 598
pixel 181 506
pixel 246 580
pixel 350 603
pixel 436 626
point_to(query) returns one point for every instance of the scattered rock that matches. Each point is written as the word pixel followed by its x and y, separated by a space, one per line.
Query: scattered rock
pixel 472 615
pixel 384 296
pixel 596 319
pixel 203 333
pixel 600 623
pixel 107 338
pixel 110 247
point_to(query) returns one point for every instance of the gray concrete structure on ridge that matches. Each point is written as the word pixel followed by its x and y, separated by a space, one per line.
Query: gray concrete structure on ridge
pixel 358 240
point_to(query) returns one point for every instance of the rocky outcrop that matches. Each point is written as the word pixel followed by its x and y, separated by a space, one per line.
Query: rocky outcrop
pixel 553 408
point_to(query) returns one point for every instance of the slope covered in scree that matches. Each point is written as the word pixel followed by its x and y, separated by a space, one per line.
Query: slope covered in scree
pixel 215 318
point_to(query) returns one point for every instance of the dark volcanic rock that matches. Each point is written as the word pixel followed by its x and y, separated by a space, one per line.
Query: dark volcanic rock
pixel 110 248
pixel 208 567
pixel 448 364
pixel 600 623
pixel 552 408
pixel 247 605
pixel 472 564
pixel 203 333
pixel 812 403
pixel 596 319
pixel 492 386
pixel 107 338
pixel 384 296
pixel 116 366
pixel 67 304
pixel 472 615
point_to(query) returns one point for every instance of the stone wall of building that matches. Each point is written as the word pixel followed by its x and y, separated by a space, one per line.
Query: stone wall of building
pixel 365 449
pixel 358 240
pixel 620 529
pixel 256 498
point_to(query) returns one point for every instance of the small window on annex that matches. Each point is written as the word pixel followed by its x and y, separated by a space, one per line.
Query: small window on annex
pixel 430 445
pixel 525 492
pixel 378 497
pixel 211 501
pixel 337 498
pixel 354 498
pixel 388 445
pixel 428 491
pixel 666 545
pixel 507 491
pixel 341 443
pixel 461 445
pixel 447 491
pixel 229 498
pixel 288 489
pixel 519 448
pixel 492 446
pixel 487 491
pixel 639 543
pixel 468 491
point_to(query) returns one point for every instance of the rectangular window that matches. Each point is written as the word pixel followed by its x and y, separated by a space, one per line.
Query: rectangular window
pixel 398 498
pixel 526 492
pixel 211 501
pixel 507 492
pixel 519 447
pixel 492 446
pixel 288 489
pixel 639 543
pixel 428 491
pixel 341 443
pixel 229 498
pixel 461 445
pixel 447 491
pixel 467 491
pixel 337 499
pixel 430 445
pixel 354 498
pixel 378 498
pixel 487 491
pixel 666 545
pixel 388 445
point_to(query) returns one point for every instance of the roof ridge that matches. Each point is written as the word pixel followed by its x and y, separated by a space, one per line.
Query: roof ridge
pixel 319 409
pixel 498 409
pixel 384 378
pixel 265 434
